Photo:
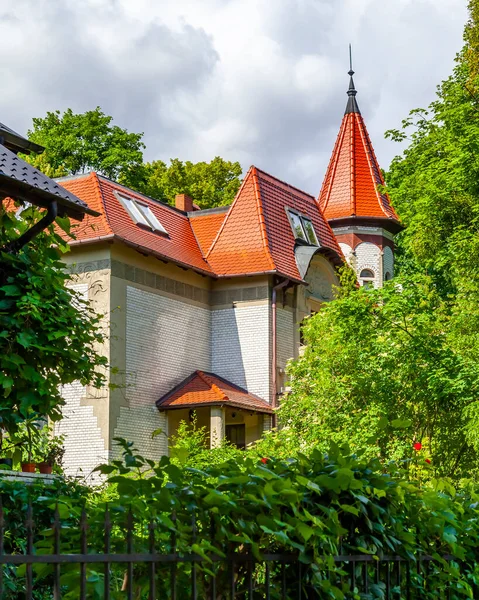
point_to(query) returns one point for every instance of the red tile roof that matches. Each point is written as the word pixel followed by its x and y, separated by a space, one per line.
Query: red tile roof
pixel 207 389
pixel 179 245
pixel 252 236
pixel 350 187
pixel 206 225
pixel 256 235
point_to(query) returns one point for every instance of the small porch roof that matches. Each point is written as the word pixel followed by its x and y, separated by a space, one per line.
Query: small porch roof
pixel 208 389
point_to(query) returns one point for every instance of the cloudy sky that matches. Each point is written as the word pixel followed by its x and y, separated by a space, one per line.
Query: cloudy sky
pixel 259 81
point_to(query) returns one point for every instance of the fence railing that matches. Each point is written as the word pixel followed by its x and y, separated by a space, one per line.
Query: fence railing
pixel 43 570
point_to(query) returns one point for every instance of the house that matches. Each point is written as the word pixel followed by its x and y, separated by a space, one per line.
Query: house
pixel 201 308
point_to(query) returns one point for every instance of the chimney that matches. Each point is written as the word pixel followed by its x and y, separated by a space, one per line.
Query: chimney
pixel 184 202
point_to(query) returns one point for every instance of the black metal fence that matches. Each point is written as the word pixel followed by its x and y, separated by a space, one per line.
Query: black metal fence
pixel 94 572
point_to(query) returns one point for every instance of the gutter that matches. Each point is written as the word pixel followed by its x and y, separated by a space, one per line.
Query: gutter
pixel 274 360
pixel 47 220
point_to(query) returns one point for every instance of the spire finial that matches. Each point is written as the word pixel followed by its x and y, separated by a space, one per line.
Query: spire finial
pixel 352 105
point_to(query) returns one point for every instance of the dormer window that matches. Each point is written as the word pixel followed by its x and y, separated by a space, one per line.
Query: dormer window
pixel 141 213
pixel 302 227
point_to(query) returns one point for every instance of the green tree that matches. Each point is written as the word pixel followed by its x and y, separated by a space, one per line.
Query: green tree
pixel 49 335
pixel 75 143
pixel 381 372
pixel 209 184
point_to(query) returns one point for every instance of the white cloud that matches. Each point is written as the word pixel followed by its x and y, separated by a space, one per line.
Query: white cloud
pixel 262 82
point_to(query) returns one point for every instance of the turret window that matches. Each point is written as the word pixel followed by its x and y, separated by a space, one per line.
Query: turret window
pixel 367 273
pixel 367 278
pixel 302 227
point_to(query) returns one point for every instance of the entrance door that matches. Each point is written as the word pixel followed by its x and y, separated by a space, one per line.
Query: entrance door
pixel 236 435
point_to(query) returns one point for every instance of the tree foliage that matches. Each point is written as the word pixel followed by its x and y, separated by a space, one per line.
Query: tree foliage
pixel 79 142
pixel 75 143
pixel 385 369
pixel 48 333
pixel 209 184
pixel 381 372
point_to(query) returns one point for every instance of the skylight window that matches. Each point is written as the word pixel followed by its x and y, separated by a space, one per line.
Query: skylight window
pixel 141 213
pixel 302 228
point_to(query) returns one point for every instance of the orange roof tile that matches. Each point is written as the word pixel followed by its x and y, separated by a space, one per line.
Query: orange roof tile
pixel 206 224
pixel 252 236
pixel 350 187
pixel 179 245
pixel 208 389
pixel 256 235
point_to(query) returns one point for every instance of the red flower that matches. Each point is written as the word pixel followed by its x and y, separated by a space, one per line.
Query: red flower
pixel 428 461
pixel 264 460
pixel 417 446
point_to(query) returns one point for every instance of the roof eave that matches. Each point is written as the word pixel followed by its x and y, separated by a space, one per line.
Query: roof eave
pixel 232 403
pixel 20 190
pixel 389 223
pixel 143 249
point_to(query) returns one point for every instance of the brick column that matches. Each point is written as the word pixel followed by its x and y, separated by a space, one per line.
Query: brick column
pixel 217 426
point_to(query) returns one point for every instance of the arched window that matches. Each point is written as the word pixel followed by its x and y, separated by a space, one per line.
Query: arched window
pixel 367 278
pixel 387 276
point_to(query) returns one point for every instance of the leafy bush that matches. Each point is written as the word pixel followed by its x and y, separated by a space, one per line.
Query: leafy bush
pixel 313 507
pixel 49 335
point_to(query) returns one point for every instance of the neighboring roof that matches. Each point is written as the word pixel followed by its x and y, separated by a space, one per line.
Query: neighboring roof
pixel 256 235
pixel 20 180
pixel 16 142
pixel 208 389
pixel 253 236
pixel 206 224
pixel 350 188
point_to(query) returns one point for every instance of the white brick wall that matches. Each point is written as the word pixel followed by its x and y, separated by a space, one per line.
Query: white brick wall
pixel 166 340
pixel 388 262
pixel 285 327
pixel 348 253
pixel 368 256
pixel 241 346
pixel 84 443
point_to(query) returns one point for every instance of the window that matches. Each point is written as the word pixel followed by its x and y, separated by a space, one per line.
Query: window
pixel 141 213
pixel 236 435
pixel 387 276
pixel 308 226
pixel 297 226
pixel 367 278
pixel 302 228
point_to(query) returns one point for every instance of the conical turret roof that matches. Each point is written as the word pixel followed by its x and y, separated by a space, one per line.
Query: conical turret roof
pixel 350 188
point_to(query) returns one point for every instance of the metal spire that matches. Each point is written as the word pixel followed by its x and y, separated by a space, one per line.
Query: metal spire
pixel 352 105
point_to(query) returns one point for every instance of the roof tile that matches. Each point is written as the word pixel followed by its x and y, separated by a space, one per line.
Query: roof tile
pixel 350 187
pixel 207 389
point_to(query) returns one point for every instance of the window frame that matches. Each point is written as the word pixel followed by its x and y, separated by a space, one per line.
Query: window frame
pixel 291 214
pixel 140 213
pixel 367 282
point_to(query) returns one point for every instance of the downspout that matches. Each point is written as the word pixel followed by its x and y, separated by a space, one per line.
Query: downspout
pixel 16 245
pixel 274 384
